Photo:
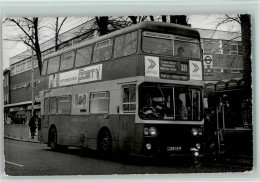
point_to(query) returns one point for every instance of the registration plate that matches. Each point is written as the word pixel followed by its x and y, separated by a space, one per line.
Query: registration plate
pixel 173 148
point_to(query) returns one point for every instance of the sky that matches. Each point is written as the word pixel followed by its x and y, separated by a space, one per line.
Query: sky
pixel 11 49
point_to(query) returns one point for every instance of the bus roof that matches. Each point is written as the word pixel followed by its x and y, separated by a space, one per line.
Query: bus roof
pixel 170 28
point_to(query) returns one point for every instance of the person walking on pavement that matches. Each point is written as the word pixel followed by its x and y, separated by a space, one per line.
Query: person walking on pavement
pixel 32 125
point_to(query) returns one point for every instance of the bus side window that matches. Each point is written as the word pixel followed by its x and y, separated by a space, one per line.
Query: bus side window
pixel 129 98
pixel 79 104
pixel 53 105
pixel 102 51
pixel 83 56
pixel 46 106
pixel 67 61
pixel 64 105
pixel 125 45
pixel 99 102
pixel 53 65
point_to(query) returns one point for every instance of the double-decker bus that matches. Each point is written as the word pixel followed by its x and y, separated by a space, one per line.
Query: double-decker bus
pixel 137 90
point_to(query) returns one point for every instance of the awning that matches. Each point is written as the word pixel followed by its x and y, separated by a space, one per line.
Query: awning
pixel 19 104
pixel 236 83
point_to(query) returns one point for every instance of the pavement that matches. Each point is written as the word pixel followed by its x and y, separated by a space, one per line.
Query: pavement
pixel 35 140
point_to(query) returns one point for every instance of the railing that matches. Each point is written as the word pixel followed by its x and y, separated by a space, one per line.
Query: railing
pixel 19 132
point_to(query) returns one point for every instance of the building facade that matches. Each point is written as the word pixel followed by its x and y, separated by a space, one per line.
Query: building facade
pixel 222 54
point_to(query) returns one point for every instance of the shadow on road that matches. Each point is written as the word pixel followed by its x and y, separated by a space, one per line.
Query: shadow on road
pixel 128 159
pixel 173 161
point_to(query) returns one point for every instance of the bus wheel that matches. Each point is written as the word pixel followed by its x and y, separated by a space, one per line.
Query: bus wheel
pixel 105 142
pixel 53 138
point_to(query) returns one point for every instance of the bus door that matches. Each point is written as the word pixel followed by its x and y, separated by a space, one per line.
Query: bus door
pixel 127 117
pixel 45 116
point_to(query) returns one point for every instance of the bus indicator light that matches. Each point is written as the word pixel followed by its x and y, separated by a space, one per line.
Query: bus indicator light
pixel 146 131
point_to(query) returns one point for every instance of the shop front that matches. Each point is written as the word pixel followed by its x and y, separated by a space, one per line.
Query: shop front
pixel 230 111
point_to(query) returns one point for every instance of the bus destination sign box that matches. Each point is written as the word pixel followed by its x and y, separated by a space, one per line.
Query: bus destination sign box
pixel 173 70
pixel 166 69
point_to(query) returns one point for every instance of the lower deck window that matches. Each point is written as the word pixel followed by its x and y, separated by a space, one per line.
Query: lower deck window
pixel 53 105
pixel 46 106
pixel 64 105
pixel 99 102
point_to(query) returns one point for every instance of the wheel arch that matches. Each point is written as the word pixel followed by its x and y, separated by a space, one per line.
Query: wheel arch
pixel 101 130
pixel 52 126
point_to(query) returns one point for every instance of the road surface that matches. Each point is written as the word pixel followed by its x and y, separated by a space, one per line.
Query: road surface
pixel 30 159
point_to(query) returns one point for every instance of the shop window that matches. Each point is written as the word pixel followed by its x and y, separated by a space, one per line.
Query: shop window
pixel 129 98
pixel 207 46
pixel 99 102
pixel 53 65
pixel 235 70
pixel 64 105
pixel 53 105
pixel 29 64
pixel 44 67
pixel 239 47
pixel 102 51
pixel 125 45
pixel 226 47
pixel 83 56
pixel 233 49
pixel 216 48
pixel 67 61
pixel 35 63
pixel 12 70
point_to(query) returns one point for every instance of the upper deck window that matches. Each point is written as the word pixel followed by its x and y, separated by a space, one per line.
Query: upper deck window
pixel 67 61
pixel 167 44
pixel 83 56
pixel 125 45
pixel 53 65
pixel 157 43
pixel 102 51
pixel 186 47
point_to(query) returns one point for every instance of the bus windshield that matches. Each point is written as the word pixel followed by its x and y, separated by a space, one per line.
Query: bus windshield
pixel 169 102
pixel 167 44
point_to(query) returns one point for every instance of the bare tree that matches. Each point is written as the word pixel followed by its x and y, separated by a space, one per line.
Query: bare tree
pixel 29 28
pixel 244 20
pixel 57 31
pixel 102 22
pixel 179 19
pixel 246 49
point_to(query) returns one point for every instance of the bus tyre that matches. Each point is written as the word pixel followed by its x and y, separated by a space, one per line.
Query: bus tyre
pixel 53 138
pixel 105 142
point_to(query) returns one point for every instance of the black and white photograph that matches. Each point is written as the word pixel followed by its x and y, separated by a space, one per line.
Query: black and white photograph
pixel 126 95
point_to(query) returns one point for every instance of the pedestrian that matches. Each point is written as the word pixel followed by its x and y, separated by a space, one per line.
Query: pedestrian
pixel 32 125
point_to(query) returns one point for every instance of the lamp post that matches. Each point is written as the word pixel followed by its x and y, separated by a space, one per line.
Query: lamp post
pixel 32 78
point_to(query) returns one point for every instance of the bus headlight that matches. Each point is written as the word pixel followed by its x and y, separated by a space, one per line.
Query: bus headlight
pixel 194 131
pixel 153 131
pixel 198 146
pixel 148 146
